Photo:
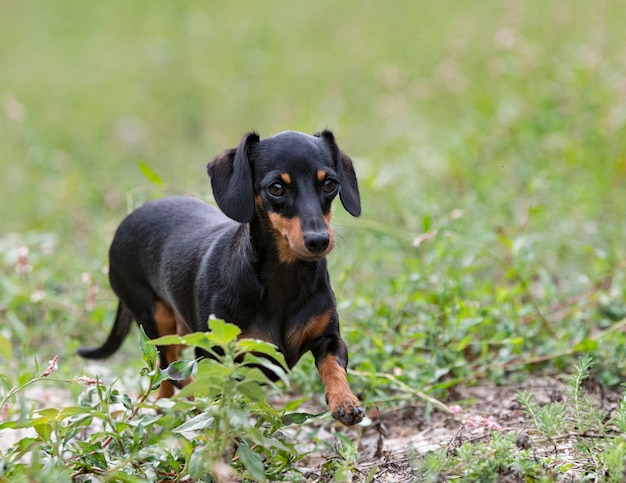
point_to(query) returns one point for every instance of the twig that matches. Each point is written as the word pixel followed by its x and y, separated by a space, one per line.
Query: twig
pixel 450 448
pixel 429 399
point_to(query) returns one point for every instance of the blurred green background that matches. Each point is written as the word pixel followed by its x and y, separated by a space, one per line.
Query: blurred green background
pixel 500 124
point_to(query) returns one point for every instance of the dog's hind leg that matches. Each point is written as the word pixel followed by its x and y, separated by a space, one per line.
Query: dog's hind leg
pixel 167 323
pixel 121 327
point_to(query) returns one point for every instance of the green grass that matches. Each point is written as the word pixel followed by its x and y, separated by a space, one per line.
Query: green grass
pixel 501 125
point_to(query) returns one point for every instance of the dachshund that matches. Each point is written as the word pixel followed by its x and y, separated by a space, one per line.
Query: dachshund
pixel 259 263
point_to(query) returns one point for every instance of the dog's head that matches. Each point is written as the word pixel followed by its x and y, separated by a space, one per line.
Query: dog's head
pixel 291 179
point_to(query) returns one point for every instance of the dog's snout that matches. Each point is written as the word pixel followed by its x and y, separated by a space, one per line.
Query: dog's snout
pixel 316 242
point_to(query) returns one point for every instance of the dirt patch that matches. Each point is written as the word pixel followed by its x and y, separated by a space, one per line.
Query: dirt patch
pixel 393 441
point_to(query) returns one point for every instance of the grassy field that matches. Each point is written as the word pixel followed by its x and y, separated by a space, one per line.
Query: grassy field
pixel 489 139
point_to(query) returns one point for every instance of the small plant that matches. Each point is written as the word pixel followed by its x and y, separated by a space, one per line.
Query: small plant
pixel 240 427
pixel 226 431
pixel 575 413
pixel 548 420
pixel 342 467
pixel 578 417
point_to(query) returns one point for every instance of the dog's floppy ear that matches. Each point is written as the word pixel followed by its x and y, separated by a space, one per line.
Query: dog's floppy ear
pixel 349 194
pixel 231 179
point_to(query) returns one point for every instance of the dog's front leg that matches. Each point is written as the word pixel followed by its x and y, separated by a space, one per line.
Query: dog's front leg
pixel 331 358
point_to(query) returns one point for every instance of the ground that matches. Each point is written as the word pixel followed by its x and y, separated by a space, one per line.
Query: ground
pixel 392 443
pixel 400 437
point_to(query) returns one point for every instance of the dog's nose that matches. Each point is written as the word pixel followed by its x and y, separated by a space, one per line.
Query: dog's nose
pixel 316 242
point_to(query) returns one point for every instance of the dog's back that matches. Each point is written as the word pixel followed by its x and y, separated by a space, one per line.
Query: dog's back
pixel 160 245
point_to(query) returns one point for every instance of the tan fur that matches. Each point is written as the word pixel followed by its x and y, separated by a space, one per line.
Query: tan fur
pixel 289 237
pixel 256 333
pixel 299 336
pixel 337 389
pixel 168 323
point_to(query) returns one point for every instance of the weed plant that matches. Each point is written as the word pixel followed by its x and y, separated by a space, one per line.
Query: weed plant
pixel 226 431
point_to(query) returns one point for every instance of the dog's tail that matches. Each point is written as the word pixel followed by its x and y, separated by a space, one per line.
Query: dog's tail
pixel 121 327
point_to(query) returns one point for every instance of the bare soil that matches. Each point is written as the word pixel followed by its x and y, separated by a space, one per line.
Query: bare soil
pixel 393 441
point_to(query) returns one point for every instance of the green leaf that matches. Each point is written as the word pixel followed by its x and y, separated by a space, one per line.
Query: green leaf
pixel 427 222
pixel 24 423
pixel 203 340
pixel 171 340
pixel 343 475
pixel 240 423
pixel 176 371
pixel 299 418
pixel 149 173
pixel 48 413
pixel 266 363
pixel 209 380
pixel 586 345
pixel 252 462
pixel 124 399
pixel 73 411
pixel 26 444
pixel 44 431
pixel 149 351
pixel 370 476
pixel 222 332
pixel 464 342
pixel 252 390
pixel 197 423
pixel 180 370
pixel 6 350
pixel 614 312
pixel 294 404
pixel 199 465
pixel 6 382
pixel 261 347
pixel 270 443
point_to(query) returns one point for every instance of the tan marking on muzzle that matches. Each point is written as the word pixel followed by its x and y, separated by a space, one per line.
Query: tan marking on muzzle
pixel 289 237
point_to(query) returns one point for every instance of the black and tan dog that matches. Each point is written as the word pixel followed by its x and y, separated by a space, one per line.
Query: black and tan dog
pixel 260 264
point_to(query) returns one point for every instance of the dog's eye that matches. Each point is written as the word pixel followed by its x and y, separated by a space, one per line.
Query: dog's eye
pixel 330 185
pixel 276 189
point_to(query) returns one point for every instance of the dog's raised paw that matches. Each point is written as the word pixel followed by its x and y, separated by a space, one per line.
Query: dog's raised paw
pixel 346 410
